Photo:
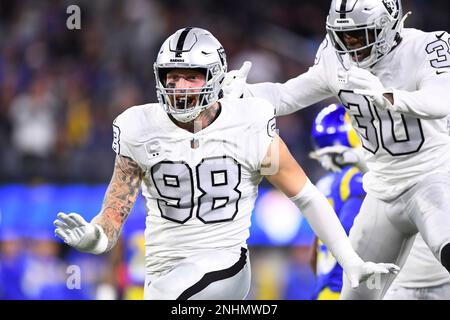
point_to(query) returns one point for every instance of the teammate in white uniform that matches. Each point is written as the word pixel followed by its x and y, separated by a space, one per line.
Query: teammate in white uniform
pixel 394 84
pixel 199 161
pixel 422 277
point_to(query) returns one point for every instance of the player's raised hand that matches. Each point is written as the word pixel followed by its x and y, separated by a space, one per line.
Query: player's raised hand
pixel 235 80
pixel 333 158
pixel 366 84
pixel 80 234
pixel 362 271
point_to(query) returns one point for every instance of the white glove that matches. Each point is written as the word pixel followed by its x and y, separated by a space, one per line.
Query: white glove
pixel 234 83
pixel 369 85
pixel 333 158
pixel 354 267
pixel 361 271
pixel 80 234
pixel 326 225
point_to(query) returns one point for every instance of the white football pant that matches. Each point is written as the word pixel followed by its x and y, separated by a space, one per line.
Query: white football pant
pixel 218 275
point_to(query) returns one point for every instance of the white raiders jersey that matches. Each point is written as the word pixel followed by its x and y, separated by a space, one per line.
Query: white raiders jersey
pixel 399 147
pixel 199 189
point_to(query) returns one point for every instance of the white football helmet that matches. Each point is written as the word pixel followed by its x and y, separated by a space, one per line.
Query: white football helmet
pixel 378 22
pixel 192 48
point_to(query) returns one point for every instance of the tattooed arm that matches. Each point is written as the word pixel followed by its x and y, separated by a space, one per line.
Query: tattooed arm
pixel 104 230
pixel 119 198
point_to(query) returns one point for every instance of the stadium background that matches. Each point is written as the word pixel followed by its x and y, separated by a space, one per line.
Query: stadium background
pixel 60 90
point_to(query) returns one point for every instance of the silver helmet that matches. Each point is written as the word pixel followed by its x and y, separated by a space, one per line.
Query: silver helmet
pixel 190 48
pixel 377 22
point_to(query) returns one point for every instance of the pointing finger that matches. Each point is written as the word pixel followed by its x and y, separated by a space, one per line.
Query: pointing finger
pixel 244 70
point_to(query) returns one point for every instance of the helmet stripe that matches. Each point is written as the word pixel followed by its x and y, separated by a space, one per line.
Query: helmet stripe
pixel 343 9
pixel 181 39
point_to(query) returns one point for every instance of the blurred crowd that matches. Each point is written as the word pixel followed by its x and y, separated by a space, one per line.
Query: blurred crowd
pixel 60 90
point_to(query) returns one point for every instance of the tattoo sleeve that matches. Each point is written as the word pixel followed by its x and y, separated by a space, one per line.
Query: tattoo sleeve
pixel 119 199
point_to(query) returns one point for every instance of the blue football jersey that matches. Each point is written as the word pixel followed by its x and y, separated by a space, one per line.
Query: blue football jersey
pixel 345 193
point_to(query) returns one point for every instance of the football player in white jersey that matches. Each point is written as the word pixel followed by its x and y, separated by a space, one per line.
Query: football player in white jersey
pixel 422 277
pixel 199 161
pixel 394 84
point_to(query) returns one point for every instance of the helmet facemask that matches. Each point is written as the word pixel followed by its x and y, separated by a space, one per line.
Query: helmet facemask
pixel 185 104
pixel 377 35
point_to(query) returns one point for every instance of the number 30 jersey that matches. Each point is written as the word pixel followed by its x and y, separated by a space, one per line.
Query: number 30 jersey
pixel 200 188
pixel 400 147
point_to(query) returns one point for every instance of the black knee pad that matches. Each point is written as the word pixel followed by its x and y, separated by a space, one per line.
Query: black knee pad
pixel 445 256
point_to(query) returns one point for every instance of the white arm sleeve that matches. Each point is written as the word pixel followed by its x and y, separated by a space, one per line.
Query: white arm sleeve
pixel 431 97
pixel 325 223
pixel 431 101
pixel 300 92
pixel 295 94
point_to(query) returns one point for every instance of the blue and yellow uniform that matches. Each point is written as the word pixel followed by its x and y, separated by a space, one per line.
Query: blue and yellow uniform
pixel 343 190
pixel 345 193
